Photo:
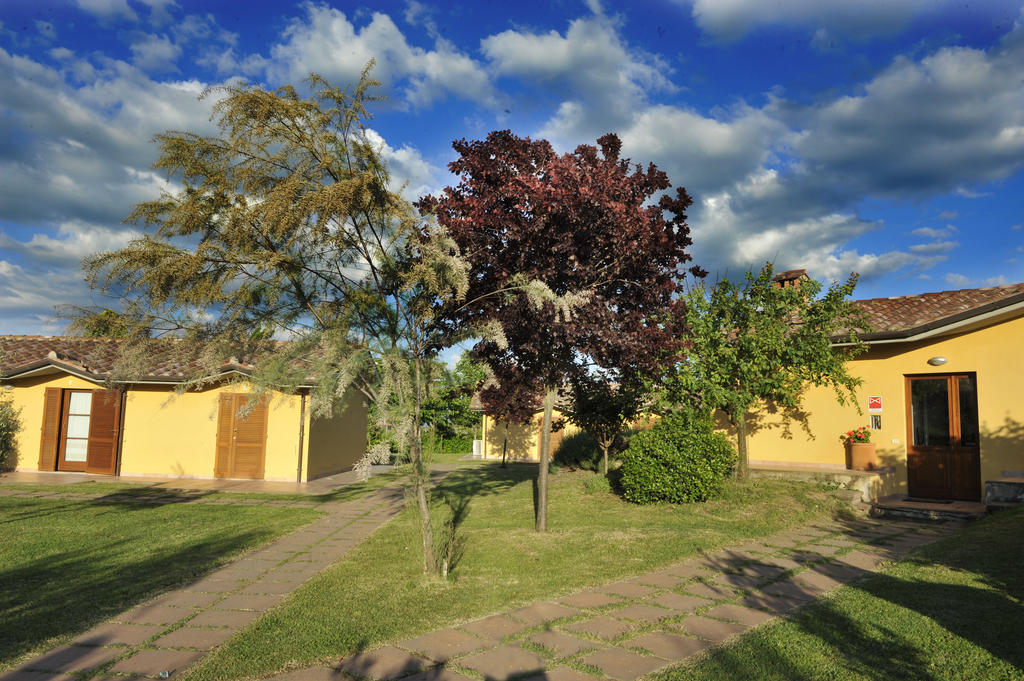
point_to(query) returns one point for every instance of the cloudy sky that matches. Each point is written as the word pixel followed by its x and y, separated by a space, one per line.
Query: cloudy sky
pixel 884 137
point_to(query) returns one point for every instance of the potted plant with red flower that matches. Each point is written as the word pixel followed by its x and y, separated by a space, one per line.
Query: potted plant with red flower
pixel 860 450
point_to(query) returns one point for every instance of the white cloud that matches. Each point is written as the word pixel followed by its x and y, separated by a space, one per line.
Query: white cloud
pixel 409 171
pixel 934 247
pixel 601 78
pixel 74 240
pixel 326 42
pixel 108 9
pixel 705 154
pixel 932 233
pixel 159 11
pixel 155 53
pixel 729 20
pixel 958 280
pixel 1001 280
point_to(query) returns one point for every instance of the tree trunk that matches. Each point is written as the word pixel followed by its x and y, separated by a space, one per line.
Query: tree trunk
pixel 504 446
pixel 605 446
pixel 421 478
pixel 545 458
pixel 741 445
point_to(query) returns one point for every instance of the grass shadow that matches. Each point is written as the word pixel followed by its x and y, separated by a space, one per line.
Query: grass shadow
pixel 70 591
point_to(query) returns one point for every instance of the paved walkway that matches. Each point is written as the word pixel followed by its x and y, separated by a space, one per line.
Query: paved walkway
pixel 618 631
pixel 172 632
pixel 633 627
pixel 325 485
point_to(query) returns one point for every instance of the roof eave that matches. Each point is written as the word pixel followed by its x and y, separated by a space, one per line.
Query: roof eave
pixel 1010 304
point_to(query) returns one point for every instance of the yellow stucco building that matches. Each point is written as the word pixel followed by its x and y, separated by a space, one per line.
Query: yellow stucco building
pixel 941 393
pixel 73 421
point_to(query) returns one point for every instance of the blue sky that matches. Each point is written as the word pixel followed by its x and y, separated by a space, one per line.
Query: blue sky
pixel 884 137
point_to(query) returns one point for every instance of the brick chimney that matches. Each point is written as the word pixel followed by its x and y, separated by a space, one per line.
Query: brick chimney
pixel 790 278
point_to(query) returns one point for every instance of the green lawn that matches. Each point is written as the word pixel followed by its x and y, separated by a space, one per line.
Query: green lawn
pixel 953 611
pixel 66 564
pixel 144 491
pixel 378 594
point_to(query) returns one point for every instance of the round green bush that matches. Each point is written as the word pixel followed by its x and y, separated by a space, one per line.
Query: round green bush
pixel 578 451
pixel 680 459
pixel 10 424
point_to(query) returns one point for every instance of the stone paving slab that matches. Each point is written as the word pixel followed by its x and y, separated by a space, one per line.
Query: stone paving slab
pixel 591 600
pixel 561 674
pixel 188 599
pixel 672 647
pixel 711 591
pixel 233 619
pixel 439 673
pixel 153 614
pixel 739 581
pixel 738 613
pixel 119 634
pixel 710 629
pixel 622 665
pixel 200 639
pixel 72 658
pixel 157 662
pixel 495 628
pixel 27 675
pixel 680 603
pixel 443 645
pixel 503 662
pixel 249 601
pixel 266 587
pixel 774 604
pixel 541 613
pixel 643 613
pixel 381 663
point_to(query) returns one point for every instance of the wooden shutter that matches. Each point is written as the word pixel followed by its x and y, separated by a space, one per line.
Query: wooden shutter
pixel 104 428
pixel 50 439
pixel 225 431
pixel 250 438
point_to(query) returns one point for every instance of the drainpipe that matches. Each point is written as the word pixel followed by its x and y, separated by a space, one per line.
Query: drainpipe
pixel 302 434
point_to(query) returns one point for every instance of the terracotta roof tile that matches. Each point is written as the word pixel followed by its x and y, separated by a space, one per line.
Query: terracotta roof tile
pixel 166 359
pixel 902 314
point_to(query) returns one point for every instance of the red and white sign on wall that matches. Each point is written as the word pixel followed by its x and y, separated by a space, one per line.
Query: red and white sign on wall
pixel 874 404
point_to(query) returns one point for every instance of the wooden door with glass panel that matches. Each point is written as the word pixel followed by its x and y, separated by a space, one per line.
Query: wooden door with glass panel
pixel 943 444
pixel 85 427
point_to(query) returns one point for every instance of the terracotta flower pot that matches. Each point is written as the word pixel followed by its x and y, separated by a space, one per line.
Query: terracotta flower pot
pixel 860 456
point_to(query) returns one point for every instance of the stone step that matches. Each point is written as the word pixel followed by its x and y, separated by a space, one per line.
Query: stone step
pixel 1007 490
pixel 898 507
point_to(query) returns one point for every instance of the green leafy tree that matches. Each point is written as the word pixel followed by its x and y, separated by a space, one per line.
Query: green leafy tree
pixel 104 324
pixel 603 407
pixel 448 409
pixel 756 341
pixel 287 226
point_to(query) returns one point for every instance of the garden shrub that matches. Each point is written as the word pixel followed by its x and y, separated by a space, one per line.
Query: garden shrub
pixel 10 424
pixel 578 451
pixel 677 460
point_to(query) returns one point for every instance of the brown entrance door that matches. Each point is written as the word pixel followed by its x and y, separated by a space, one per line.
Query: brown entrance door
pixel 84 427
pixel 943 447
pixel 241 437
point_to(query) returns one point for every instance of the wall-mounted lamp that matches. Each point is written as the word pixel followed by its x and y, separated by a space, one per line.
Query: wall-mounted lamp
pixel 937 361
